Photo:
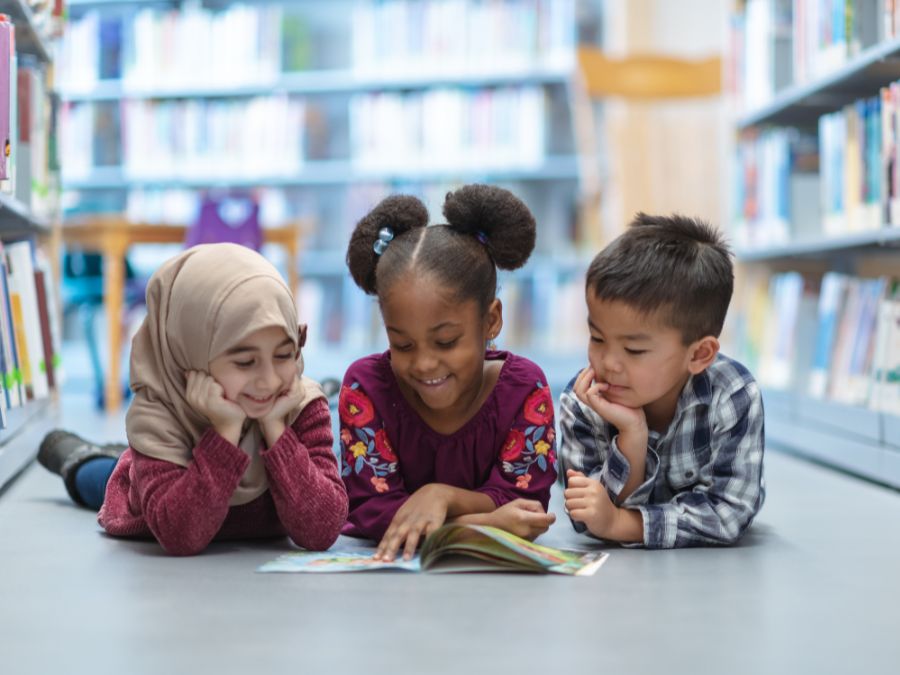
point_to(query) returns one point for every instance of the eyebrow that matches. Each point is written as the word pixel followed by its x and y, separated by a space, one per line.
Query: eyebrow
pixel 247 348
pixel 636 337
pixel 433 329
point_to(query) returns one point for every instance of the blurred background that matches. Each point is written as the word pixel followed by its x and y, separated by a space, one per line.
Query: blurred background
pixel 314 111
pixel 141 127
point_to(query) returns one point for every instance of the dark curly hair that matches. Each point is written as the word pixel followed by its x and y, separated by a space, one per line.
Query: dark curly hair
pixel 487 227
pixel 675 265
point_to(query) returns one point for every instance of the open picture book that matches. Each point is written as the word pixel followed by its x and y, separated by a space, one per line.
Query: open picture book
pixel 454 548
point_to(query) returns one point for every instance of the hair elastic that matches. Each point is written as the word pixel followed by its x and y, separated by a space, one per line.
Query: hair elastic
pixel 385 235
pixel 482 237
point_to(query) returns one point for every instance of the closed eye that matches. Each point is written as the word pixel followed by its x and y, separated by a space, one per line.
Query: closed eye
pixel 449 344
pixel 636 352
pixel 285 357
pixel 401 348
pixel 243 364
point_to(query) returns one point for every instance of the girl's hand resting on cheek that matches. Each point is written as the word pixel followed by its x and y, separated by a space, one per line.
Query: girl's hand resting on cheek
pixel 273 422
pixel 421 514
pixel 207 398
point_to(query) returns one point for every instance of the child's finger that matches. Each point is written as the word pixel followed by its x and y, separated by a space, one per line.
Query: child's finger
pixel 578 482
pixel 386 544
pixel 572 472
pixel 412 542
pixel 530 505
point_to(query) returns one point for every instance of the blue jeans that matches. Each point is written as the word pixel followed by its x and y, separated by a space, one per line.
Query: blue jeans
pixel 91 479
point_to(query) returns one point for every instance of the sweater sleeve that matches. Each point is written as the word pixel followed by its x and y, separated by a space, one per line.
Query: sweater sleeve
pixel 184 507
pixel 371 470
pixel 304 481
pixel 526 463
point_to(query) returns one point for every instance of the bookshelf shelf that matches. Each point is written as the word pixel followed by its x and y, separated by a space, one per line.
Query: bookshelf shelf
pixel 887 239
pixel 19 441
pixel 16 219
pixel 330 82
pixel 28 40
pixel 803 104
pixel 336 172
pixel 858 440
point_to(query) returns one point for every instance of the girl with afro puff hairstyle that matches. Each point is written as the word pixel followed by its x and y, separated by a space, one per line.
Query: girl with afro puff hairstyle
pixel 442 427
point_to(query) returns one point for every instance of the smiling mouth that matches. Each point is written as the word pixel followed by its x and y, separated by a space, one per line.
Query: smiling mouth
pixel 259 400
pixel 436 381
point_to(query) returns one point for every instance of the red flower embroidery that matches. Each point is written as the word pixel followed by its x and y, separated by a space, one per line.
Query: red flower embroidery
pixel 539 406
pixel 523 481
pixel 346 437
pixel 383 446
pixel 550 436
pixel 380 484
pixel 355 407
pixel 513 445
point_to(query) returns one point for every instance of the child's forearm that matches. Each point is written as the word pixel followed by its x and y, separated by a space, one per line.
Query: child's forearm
pixel 462 502
pixel 634 448
pixel 626 526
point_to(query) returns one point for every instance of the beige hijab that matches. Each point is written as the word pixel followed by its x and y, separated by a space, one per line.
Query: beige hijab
pixel 199 304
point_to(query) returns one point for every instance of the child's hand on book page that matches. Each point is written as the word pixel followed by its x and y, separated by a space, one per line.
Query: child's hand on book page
pixel 207 398
pixel 421 514
pixel 627 420
pixel 588 502
pixel 524 518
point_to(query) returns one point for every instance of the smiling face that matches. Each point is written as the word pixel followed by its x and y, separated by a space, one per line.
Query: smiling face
pixel 644 361
pixel 437 345
pixel 255 371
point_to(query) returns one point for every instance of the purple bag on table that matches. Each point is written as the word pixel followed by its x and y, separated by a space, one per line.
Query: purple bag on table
pixel 229 219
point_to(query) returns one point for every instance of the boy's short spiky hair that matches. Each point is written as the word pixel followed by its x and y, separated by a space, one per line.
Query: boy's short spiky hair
pixel 673 267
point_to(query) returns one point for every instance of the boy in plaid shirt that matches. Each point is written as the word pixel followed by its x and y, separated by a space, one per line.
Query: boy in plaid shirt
pixel 662 435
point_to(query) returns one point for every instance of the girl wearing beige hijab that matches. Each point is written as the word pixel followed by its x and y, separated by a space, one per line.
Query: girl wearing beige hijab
pixel 226 438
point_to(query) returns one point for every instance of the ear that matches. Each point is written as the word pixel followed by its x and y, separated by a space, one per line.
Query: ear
pixel 702 353
pixel 301 335
pixel 493 320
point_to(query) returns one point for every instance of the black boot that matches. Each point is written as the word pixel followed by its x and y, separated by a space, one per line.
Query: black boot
pixel 62 452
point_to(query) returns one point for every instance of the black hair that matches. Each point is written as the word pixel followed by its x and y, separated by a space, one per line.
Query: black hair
pixel 487 227
pixel 676 266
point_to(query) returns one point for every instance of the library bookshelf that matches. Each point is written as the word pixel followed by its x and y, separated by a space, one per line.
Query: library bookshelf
pixel 817 220
pixel 29 345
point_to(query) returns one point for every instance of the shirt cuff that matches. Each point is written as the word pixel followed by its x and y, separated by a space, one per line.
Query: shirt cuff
pixel 660 526
pixel 643 492
pixel 616 470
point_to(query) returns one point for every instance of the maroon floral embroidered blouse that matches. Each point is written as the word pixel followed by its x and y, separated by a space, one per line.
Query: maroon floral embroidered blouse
pixel 507 450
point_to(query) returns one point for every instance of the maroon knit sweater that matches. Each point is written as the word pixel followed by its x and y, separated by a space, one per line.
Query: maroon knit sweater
pixel 185 508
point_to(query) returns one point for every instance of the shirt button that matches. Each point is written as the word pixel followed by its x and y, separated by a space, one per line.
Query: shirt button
pixel 689 474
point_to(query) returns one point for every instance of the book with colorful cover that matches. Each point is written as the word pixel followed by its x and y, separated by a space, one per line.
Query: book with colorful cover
pixel 453 548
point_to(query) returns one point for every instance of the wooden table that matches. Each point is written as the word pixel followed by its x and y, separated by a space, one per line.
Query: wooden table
pixel 112 237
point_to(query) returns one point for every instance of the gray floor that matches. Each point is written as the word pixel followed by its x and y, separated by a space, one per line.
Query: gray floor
pixel 813 588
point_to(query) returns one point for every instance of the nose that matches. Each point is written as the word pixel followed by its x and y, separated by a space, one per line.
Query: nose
pixel 268 377
pixel 610 362
pixel 424 362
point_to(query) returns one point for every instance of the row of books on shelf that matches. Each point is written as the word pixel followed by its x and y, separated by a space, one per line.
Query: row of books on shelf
pixel 836 337
pixel 273 136
pixel 779 43
pixel 542 309
pixel 27 127
pixel 29 329
pixel 847 177
pixel 254 43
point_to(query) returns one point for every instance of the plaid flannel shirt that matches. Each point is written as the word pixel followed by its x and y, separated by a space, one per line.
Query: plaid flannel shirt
pixel 703 477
